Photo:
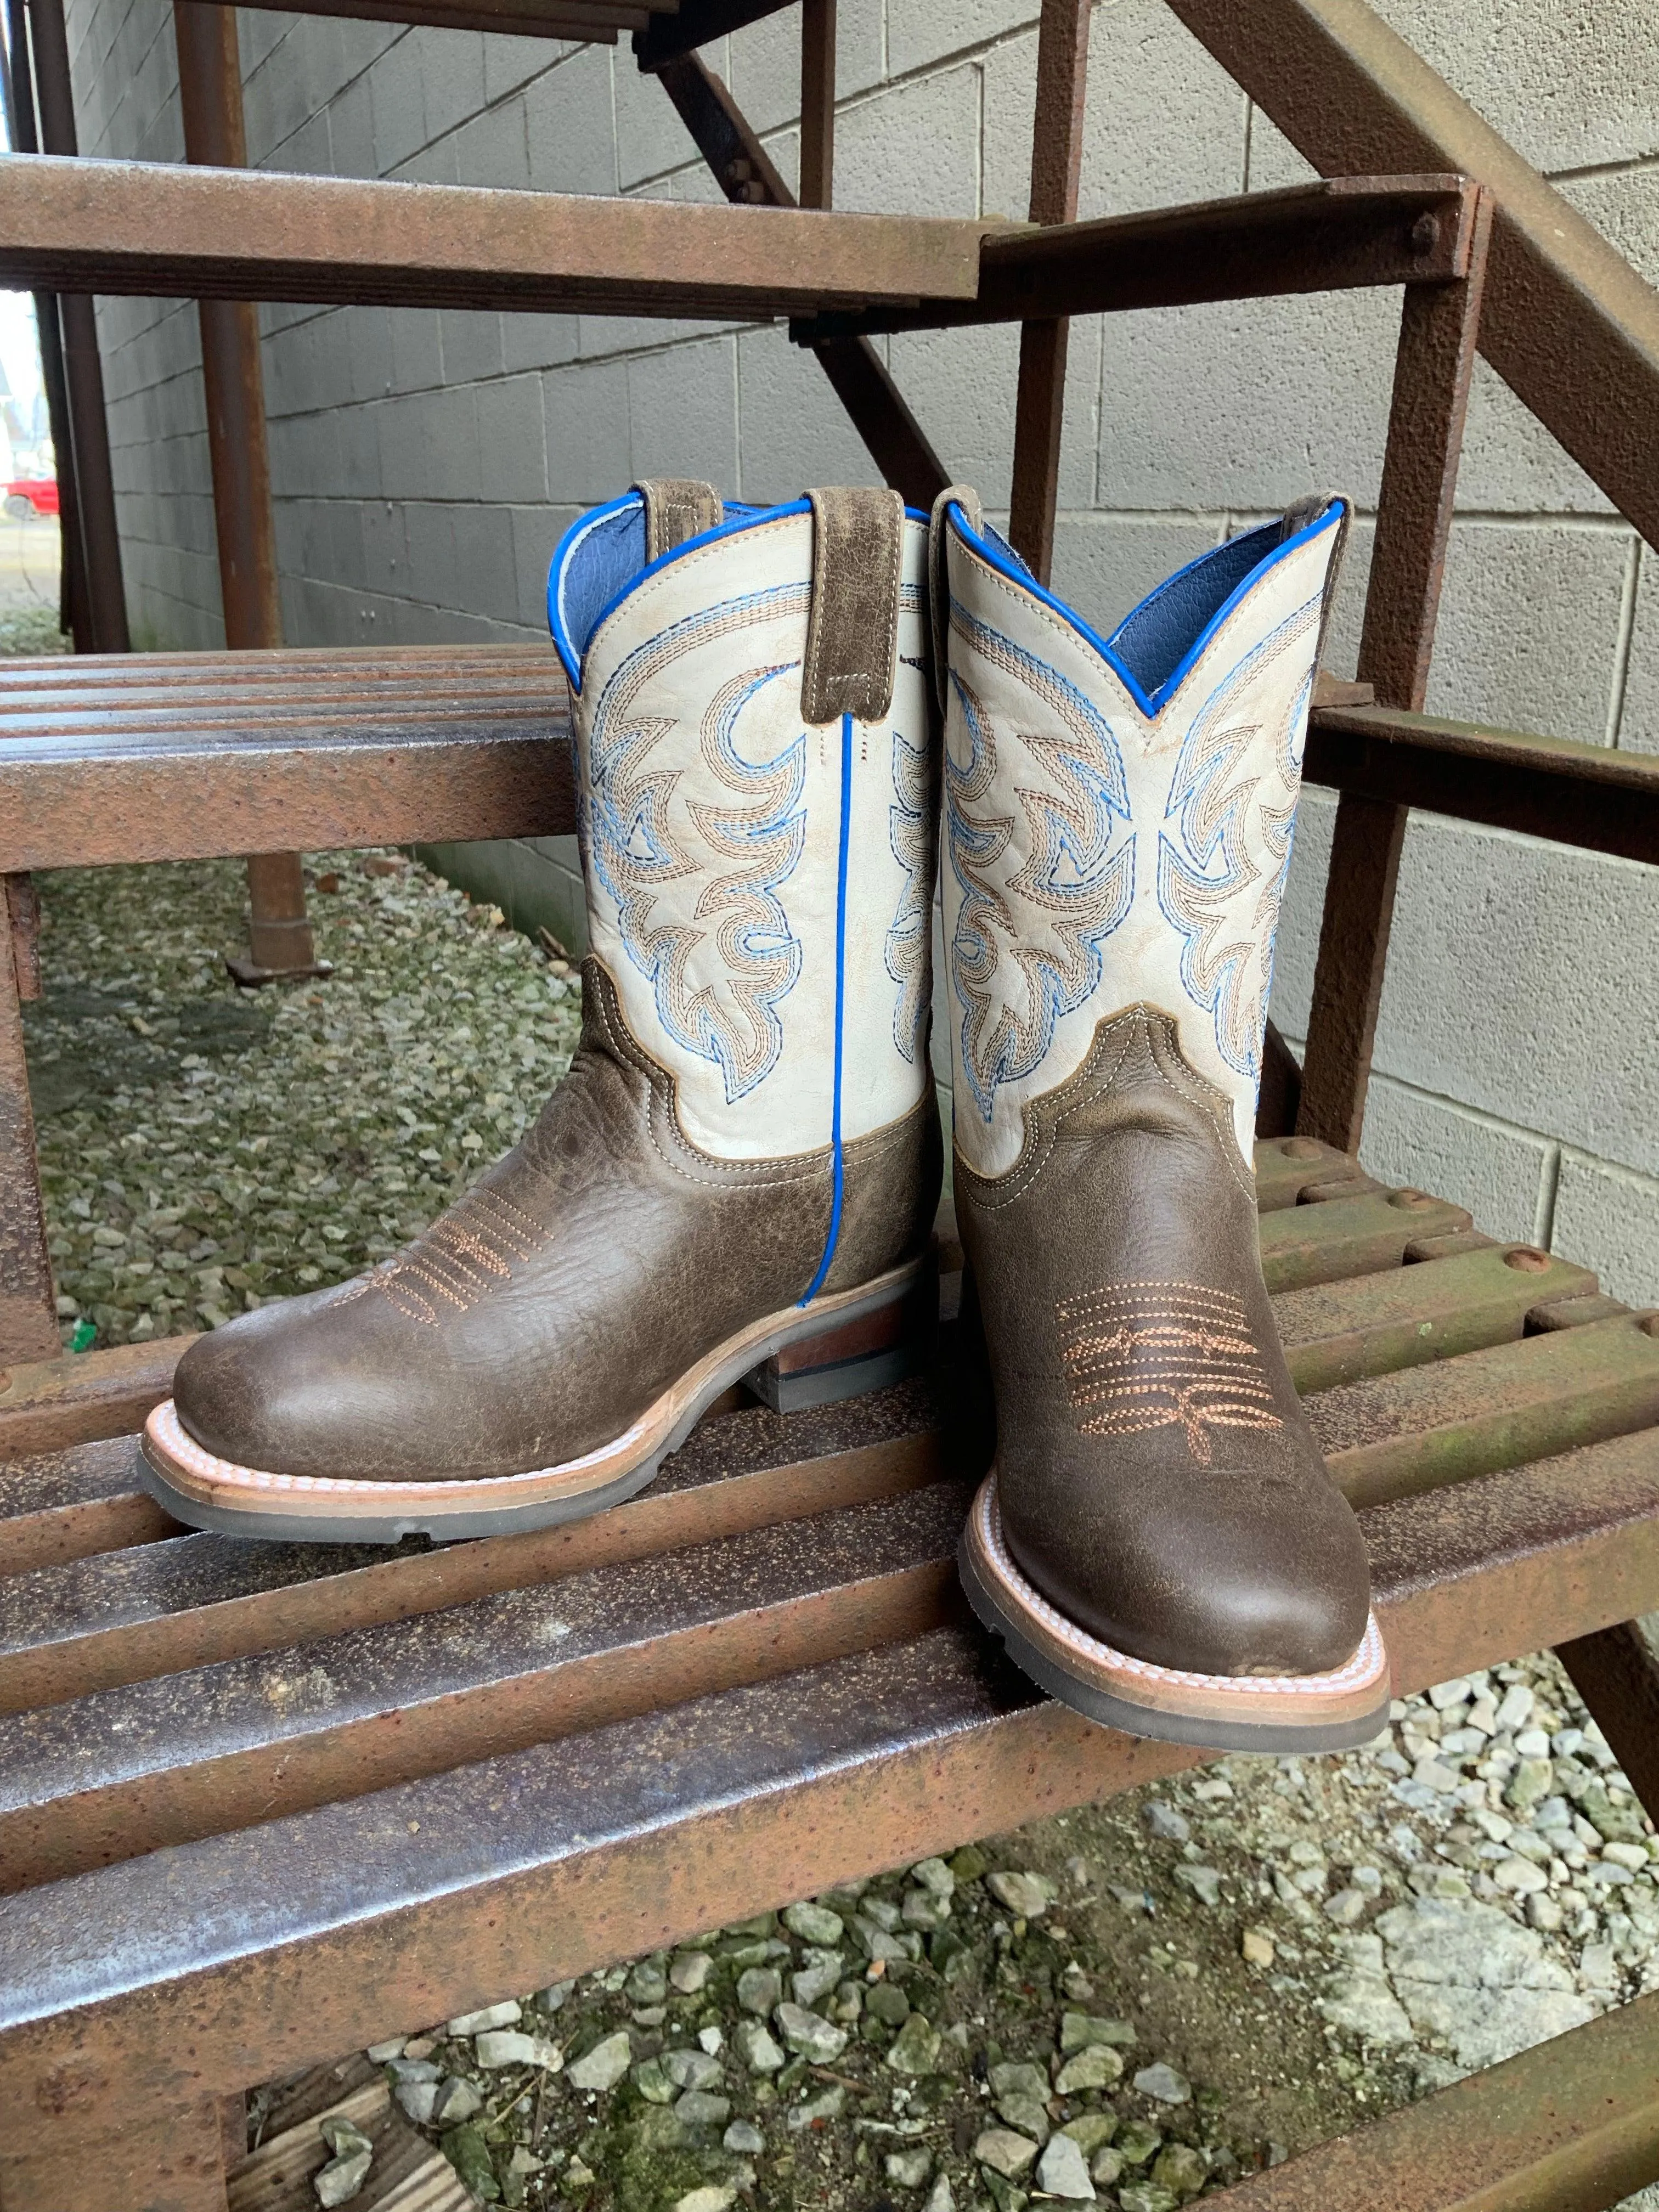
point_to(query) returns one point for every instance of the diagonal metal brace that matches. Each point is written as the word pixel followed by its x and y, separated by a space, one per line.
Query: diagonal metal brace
pixel 746 175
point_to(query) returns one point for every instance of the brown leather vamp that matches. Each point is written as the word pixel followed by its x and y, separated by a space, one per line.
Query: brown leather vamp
pixel 577 1279
pixel 1158 1478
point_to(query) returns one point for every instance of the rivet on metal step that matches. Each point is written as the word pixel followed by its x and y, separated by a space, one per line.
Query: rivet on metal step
pixel 1426 234
pixel 1649 1324
pixel 1413 1201
pixel 1302 1148
pixel 1527 1261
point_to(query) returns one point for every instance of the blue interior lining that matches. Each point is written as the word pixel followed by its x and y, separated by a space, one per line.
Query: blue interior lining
pixel 1152 641
pixel 609 555
pixel 1197 598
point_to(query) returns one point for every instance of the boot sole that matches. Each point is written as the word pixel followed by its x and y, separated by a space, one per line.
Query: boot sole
pixel 1333 1712
pixel 205 1491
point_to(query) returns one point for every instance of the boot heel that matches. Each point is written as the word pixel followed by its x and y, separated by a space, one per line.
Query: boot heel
pixel 868 1352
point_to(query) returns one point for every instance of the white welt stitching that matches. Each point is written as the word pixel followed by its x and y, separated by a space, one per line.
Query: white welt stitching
pixel 1368 1664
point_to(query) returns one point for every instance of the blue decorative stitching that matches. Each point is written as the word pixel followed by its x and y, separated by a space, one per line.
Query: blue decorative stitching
pixel 909 939
pixel 634 852
pixel 1071 875
pixel 1202 879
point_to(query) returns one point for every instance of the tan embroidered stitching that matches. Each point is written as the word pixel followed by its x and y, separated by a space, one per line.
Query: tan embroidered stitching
pixel 1156 1355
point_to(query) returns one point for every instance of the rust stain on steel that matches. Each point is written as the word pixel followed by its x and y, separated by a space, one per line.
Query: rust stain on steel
pixel 1285 1166
pixel 1433 364
pixel 1347 232
pixel 140 1765
pixel 258 792
pixel 1306 1244
pixel 1364 1325
pixel 57 1506
pixel 318 1933
pixel 160 229
pixel 1573 795
pixel 1518 1559
pixel 202 1599
pixel 1431 1426
pixel 20 911
pixel 1568 2126
pixel 79 1397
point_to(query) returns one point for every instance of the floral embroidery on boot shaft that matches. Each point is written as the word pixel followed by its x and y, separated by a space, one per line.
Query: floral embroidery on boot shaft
pixel 1140 1355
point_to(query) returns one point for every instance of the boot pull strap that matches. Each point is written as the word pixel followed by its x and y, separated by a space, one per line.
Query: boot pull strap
pixel 939 579
pixel 676 508
pixel 852 633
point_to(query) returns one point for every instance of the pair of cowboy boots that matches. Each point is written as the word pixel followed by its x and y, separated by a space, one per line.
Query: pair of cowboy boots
pixel 745 1156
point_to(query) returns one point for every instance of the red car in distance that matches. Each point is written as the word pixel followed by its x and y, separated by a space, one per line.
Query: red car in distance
pixel 32 495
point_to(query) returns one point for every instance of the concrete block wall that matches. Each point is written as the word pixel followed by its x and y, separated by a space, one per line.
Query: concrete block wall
pixel 426 463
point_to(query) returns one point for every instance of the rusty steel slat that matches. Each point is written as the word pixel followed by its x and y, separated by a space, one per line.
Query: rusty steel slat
pixel 170 2160
pixel 1514 1559
pixel 155 228
pixel 343 786
pixel 323 1932
pixel 144 1764
pixel 95 670
pixel 61 1505
pixel 1569 325
pixel 1056 163
pixel 594 21
pixel 1616 1672
pixel 96 710
pixel 1554 787
pixel 1287 1166
pixel 859 377
pixel 1344 233
pixel 75 732
pixel 78 1398
pixel 1423 1428
pixel 1571 2125
pixel 1433 365
pixel 98 1621
pixel 1404 1316
pixel 1305 1244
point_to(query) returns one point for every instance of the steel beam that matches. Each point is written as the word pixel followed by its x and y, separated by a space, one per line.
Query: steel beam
pixel 1591 796
pixel 210 97
pixel 1569 325
pixel 1571 2125
pixel 159 230
pixel 857 373
pixel 1438 327
pixel 1056 164
pixel 105 625
pixel 1346 233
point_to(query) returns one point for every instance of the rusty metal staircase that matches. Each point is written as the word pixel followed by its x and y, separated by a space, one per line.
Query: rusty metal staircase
pixel 770 1685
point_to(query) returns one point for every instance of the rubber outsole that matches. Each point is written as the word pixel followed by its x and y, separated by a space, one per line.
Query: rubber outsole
pixel 1165 1723
pixel 357 1522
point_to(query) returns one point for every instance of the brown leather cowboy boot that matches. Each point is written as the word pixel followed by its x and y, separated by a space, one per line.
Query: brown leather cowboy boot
pixel 745 1152
pixel 1158 1543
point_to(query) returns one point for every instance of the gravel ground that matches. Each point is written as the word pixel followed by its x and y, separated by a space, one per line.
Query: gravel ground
pixel 1132 2004
pixel 203 1149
